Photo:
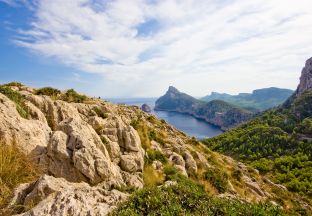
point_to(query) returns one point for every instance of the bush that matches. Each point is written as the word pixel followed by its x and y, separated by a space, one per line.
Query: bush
pixel 100 112
pixel 17 98
pixel 187 198
pixel 49 91
pixel 218 179
pixel 15 168
pixel 152 155
pixel 72 96
pixel 16 84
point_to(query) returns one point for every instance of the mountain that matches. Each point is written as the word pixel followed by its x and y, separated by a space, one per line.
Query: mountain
pixel 64 153
pixel 216 112
pixel 278 142
pixel 260 99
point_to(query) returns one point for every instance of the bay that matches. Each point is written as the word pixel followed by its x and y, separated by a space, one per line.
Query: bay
pixel 188 124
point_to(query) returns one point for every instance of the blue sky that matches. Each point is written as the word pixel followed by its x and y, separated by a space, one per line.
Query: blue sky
pixel 118 49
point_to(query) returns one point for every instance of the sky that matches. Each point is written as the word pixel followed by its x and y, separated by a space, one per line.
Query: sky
pixel 137 48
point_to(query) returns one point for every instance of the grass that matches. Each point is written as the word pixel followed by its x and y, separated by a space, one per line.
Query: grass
pixel 72 96
pixel 15 168
pixel 17 98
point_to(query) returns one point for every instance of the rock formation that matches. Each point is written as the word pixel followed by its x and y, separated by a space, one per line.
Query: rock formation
pixel 306 78
pixel 146 108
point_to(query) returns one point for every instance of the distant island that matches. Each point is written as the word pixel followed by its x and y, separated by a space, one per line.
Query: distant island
pixel 216 112
pixel 259 99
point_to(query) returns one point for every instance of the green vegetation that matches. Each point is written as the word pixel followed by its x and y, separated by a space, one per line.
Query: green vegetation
pixel 16 84
pixel 259 99
pixel 152 155
pixel 49 91
pixel 17 98
pixel 15 168
pixel 100 112
pixel 72 96
pixel 187 198
pixel 277 143
pixel 218 179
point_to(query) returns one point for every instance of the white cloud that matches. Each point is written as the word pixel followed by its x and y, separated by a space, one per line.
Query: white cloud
pixel 198 45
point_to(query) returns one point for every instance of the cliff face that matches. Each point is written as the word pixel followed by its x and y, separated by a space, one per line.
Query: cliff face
pixel 216 112
pixel 306 78
pixel 89 151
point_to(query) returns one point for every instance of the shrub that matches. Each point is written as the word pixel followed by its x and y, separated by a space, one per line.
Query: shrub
pixel 17 98
pixel 152 155
pixel 49 91
pixel 188 198
pixel 100 112
pixel 15 168
pixel 72 96
pixel 218 179
pixel 17 84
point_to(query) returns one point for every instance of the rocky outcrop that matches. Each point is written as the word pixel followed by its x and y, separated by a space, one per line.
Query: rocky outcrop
pixel 55 196
pixel 146 108
pixel 216 112
pixel 306 78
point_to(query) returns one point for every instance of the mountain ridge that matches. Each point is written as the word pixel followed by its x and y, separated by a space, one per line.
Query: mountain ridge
pixel 260 99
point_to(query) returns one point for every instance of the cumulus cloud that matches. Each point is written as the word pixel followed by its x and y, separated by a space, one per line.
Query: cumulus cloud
pixel 197 45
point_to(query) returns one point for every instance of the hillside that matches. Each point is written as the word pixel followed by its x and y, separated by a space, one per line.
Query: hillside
pixel 63 153
pixel 278 142
pixel 259 99
pixel 216 112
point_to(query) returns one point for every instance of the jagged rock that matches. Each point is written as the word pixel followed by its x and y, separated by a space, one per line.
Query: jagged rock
pixel 181 169
pixel 30 135
pixel 60 158
pixel 253 185
pixel 157 165
pixel 155 146
pixel 306 78
pixel 55 196
pixel 190 163
pixel 177 159
pixel 130 163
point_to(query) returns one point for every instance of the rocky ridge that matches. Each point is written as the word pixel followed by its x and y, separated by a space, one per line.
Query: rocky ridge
pixel 88 157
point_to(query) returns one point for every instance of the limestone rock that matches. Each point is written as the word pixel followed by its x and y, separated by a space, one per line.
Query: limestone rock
pixel 177 159
pixel 190 163
pixel 55 196
pixel 30 135
pixel 306 78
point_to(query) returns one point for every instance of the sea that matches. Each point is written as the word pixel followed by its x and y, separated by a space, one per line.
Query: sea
pixel 188 124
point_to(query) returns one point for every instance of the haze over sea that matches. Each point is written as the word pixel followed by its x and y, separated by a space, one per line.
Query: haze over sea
pixel 186 123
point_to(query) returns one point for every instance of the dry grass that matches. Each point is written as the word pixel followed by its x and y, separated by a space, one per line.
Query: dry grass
pixel 152 177
pixel 15 168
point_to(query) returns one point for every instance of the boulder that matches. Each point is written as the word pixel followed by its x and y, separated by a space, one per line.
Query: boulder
pixel 55 196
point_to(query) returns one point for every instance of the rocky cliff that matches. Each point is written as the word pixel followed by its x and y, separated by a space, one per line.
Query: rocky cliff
pixel 216 112
pixel 306 78
pixel 93 154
